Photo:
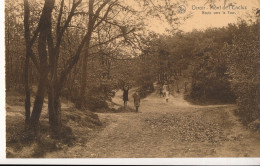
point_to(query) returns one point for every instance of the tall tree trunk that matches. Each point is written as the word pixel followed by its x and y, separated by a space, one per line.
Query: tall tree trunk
pixel 83 87
pixel 38 103
pixel 109 70
pixel 177 86
pixel 27 92
pixel 83 80
pixel 7 55
pixel 54 108
pixel 44 27
pixel 91 26
pixel 27 103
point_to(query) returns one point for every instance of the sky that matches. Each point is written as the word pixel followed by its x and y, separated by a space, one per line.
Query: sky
pixel 200 20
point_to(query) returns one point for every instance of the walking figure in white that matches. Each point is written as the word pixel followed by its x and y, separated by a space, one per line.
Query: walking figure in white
pixel 164 89
pixel 167 96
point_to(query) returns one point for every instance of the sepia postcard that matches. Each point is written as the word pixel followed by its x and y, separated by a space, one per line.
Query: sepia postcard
pixel 147 82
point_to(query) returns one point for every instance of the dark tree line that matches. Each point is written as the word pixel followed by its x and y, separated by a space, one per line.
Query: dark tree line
pixel 84 51
pixel 55 40
pixel 217 65
pixel 75 49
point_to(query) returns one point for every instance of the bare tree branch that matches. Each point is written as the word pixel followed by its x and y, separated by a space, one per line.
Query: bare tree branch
pixel 104 17
pixel 98 17
pixel 106 14
pixel 116 37
pixel 101 7
pixel 59 17
pixel 35 34
pixel 73 60
pixel 60 34
pixel 29 42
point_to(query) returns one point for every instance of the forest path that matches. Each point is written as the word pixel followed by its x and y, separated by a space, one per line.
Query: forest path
pixel 173 129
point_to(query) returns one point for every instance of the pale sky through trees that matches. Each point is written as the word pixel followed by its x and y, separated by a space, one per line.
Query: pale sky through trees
pixel 202 21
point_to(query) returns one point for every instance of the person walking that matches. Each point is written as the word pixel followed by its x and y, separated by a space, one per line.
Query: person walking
pixel 167 96
pixel 160 90
pixel 137 100
pixel 125 95
pixel 164 89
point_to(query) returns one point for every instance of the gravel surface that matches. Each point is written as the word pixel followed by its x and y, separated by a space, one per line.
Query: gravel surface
pixel 173 129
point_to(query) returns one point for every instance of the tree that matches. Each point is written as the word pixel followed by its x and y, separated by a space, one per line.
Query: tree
pixel 42 31
pixel 95 21
pixel 243 57
pixel 48 71
pixel 49 33
pixel 14 50
pixel 93 16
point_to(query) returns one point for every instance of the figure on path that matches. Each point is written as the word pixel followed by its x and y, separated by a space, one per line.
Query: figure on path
pixel 125 95
pixel 160 90
pixel 137 100
pixel 164 89
pixel 167 96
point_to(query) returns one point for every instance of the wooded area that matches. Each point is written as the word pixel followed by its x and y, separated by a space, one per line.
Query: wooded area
pixel 85 51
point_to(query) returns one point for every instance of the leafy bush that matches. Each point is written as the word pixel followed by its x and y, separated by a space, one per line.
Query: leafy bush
pixel 244 58
pixel 97 96
pixel 146 86
pixel 210 82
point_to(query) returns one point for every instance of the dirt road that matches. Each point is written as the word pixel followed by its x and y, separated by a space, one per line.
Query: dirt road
pixel 173 129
